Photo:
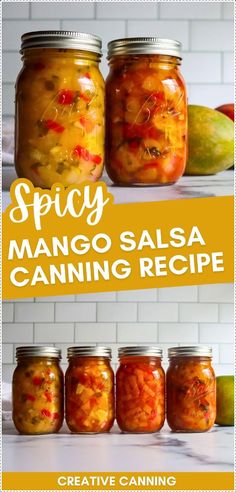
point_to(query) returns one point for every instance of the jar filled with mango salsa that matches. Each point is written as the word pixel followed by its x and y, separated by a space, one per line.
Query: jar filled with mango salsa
pixel 191 389
pixel 146 112
pixel 140 390
pixel 59 134
pixel 38 386
pixel 89 385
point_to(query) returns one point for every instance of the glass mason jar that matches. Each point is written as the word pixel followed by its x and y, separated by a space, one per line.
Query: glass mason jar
pixel 191 389
pixel 146 112
pixel 38 386
pixel 140 390
pixel 59 134
pixel 89 385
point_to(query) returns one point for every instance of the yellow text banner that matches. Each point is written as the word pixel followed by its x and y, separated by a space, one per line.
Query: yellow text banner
pixel 77 241
pixel 118 481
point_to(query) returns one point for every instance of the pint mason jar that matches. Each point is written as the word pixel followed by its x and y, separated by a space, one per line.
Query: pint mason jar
pixel 89 385
pixel 140 390
pixel 38 386
pixel 146 112
pixel 59 133
pixel 191 389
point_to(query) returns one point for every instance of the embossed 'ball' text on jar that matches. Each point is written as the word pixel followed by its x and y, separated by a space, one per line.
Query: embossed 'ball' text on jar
pixel 146 112
pixel 140 390
pixel 191 389
pixel 37 390
pixel 89 386
pixel 59 134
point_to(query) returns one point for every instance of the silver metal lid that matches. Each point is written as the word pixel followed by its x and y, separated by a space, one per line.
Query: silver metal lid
pixel 89 351
pixel 38 351
pixel 191 351
pixel 62 39
pixel 139 350
pixel 144 46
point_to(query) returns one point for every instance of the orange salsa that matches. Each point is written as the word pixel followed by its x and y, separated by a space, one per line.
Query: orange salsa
pixel 89 385
pixel 140 394
pixel 146 120
pixel 38 406
pixel 191 394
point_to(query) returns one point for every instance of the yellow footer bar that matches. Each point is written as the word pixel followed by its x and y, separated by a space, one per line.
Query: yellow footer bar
pixel 118 481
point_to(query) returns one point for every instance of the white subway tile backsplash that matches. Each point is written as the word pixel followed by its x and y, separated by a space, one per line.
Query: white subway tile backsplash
pixel 126 10
pixel 7 372
pixel 63 10
pixel 96 297
pixel 211 95
pixel 34 312
pixel 216 333
pixel 53 332
pixel 68 298
pixel 12 65
pixel 178 294
pixel 75 311
pixel 7 353
pixel 216 293
pixel 19 27
pixel 227 353
pixel 116 311
pixel 95 332
pixel 15 10
pixel 190 10
pixel 137 332
pixel 176 332
pixel 212 36
pixel 137 295
pixel 7 312
pixel 201 67
pixel 228 10
pixel 224 369
pixel 17 333
pixel 228 67
pixel 164 29
pixel 158 311
pixel 198 312
pixel 226 313
pixel 8 99
pixel 106 29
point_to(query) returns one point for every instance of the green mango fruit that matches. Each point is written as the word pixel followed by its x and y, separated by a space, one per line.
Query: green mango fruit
pixel 210 141
pixel 225 400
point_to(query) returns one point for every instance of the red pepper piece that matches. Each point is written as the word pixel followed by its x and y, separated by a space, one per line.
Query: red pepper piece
pixel 133 144
pixel 30 397
pixel 85 154
pixel 54 126
pixel 86 98
pixel 66 96
pixel 37 381
pixel 151 165
pixel 48 396
pixel 87 75
pixel 38 66
pixel 46 413
pixel 158 97
pixel 55 415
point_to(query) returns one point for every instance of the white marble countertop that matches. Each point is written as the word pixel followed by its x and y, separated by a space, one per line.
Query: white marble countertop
pixel 187 187
pixel 164 451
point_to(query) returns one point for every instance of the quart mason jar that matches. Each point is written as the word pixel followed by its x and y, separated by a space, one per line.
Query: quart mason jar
pixel 140 390
pixel 38 385
pixel 89 384
pixel 59 134
pixel 191 389
pixel 146 112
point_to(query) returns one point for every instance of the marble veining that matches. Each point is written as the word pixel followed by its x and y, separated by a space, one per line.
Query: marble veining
pixel 164 451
